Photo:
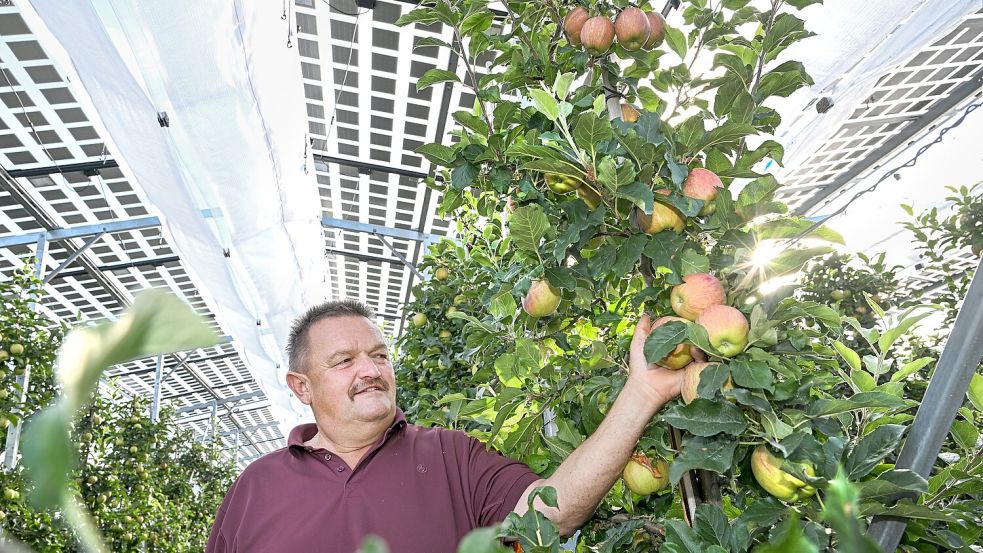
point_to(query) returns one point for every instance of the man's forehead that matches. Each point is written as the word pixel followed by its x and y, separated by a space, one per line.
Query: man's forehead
pixel 346 333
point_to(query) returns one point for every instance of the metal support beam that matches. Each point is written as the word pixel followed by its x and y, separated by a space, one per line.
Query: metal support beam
pixel 253 428
pixel 361 256
pixel 945 393
pixel 24 380
pixel 228 411
pixel 158 378
pixel 240 397
pixel 88 244
pixel 356 226
pixel 898 139
pixel 408 265
pixel 365 166
pixel 80 231
pixel 70 168
pixel 212 421
pixel 150 262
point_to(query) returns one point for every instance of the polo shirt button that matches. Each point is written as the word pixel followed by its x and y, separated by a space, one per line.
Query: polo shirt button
pixel 341 469
pixel 327 457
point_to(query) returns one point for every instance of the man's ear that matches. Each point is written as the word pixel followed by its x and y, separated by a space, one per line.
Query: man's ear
pixel 300 385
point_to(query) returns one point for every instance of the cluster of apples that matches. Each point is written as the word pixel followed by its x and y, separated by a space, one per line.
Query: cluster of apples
pixel 700 184
pixel 701 299
pixel 634 29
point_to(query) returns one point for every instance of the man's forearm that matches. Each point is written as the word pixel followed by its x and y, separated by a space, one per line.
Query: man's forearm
pixel 583 479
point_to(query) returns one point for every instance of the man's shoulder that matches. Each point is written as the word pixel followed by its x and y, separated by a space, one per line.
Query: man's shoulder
pixel 437 433
pixel 272 462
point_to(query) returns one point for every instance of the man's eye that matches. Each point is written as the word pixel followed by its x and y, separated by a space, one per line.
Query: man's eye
pixel 382 355
pixel 343 361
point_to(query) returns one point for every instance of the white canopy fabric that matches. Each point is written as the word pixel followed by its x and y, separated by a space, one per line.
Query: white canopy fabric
pixel 229 174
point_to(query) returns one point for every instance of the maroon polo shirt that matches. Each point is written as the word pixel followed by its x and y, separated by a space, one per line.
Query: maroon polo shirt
pixel 420 489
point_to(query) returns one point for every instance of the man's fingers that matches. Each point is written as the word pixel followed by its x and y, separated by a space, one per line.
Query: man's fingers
pixel 638 341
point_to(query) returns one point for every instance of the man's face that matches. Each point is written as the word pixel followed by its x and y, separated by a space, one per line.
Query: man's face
pixel 350 373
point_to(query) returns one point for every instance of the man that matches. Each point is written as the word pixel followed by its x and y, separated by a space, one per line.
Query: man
pixel 361 469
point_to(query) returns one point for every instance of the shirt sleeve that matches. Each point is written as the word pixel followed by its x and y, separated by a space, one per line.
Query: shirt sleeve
pixel 497 482
pixel 216 541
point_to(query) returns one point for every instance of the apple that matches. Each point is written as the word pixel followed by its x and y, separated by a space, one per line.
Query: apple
pixel 441 273
pixel 589 196
pixel 657 30
pixel 10 494
pixel 679 357
pixel 629 114
pixel 4 394
pixel 702 184
pixel 16 350
pixel 697 292
pixel 445 335
pixel 691 381
pixel 644 477
pixel 597 35
pixel 420 319
pixel 562 184
pixel 663 217
pixel 450 311
pixel 4 355
pixel 573 23
pixel 768 472
pixel 541 300
pixel 726 327
pixel 837 295
pixel 459 299
pixel 632 28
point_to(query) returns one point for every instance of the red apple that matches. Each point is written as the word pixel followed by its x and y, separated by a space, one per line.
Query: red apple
pixel 597 35
pixel 573 23
pixel 643 476
pixel 632 28
pixel 697 292
pixel 657 30
pixel 663 217
pixel 726 327
pixel 702 184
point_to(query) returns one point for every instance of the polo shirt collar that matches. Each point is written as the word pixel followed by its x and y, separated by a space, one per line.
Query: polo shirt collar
pixel 301 433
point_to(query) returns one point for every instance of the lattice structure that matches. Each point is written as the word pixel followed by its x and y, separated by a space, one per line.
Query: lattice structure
pixel 905 102
pixel 59 173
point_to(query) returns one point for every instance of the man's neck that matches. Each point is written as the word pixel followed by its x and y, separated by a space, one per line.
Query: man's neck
pixel 352 441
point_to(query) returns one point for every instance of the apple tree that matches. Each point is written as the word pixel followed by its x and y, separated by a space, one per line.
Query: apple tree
pixel 612 165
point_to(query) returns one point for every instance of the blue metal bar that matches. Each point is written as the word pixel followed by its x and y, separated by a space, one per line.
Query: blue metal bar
pixel 356 226
pixel 80 231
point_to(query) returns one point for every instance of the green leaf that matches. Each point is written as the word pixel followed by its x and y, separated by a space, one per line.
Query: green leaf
pixel 661 341
pixel 841 511
pixel 434 76
pixel 763 513
pixel 783 80
pixel 437 154
pixel 476 23
pixel 872 448
pixel 561 86
pixel 558 166
pixel 728 134
pixel 975 392
pixel 157 322
pixel 791 261
pixel 527 226
pixel 676 40
pixel 751 374
pixel 775 428
pixel 621 535
pixel 508 371
pixel 639 194
pixel 906 509
pixel 705 417
pixel 502 304
pixel 471 122
pixel 698 335
pixel 680 538
pixel 790 539
pixel 790 227
pixel 712 377
pixel 607 173
pixel 715 454
pixel 965 433
pixel 892 482
pixel 757 191
pixel 48 456
pixel 693 262
pixel 545 103
pixel 891 335
pixel 463 176
pixel 826 407
pixel 712 524
pixel 373 544
pixel 628 254
pixel 482 540
pixel 851 357
pixel 590 130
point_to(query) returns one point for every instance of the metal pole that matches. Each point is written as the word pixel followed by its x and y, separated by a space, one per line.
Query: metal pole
pixel 235 451
pixel 213 420
pixel 399 255
pixel 73 257
pixel 158 378
pixel 946 390
pixel 13 434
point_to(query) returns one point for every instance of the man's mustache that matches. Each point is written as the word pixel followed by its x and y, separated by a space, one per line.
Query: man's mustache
pixel 374 383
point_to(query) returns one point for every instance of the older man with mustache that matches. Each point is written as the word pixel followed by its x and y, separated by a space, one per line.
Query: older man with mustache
pixel 361 469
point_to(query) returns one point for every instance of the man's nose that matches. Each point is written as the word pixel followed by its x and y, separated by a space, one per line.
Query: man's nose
pixel 367 367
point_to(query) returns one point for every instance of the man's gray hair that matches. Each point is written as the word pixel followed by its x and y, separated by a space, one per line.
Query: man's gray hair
pixel 298 346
